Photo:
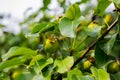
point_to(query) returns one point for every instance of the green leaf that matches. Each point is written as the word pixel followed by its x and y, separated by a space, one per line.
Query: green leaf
pixel 100 57
pixel 47 72
pixel 115 76
pixel 117 2
pixel 42 27
pixel 78 53
pixel 93 32
pixel 68 27
pixel 36 58
pixel 64 79
pixel 64 65
pixel 100 74
pixel 73 12
pixel 49 27
pixel 86 78
pixel 119 24
pixel 38 77
pixel 21 74
pixel 107 48
pixel 43 63
pixel 32 36
pixel 74 74
pixel 18 51
pixel 38 27
pixel 115 52
pixel 9 53
pixel 1 26
pixel 82 1
pixel 46 3
pixel 13 62
pixel 102 5
pixel 110 46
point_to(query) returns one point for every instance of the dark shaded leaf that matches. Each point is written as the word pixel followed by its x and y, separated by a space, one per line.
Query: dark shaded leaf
pixel 100 56
pixel 38 27
pixel 115 76
pixel 107 48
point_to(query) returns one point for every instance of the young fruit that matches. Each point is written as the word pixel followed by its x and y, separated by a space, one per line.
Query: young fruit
pixel 21 74
pixel 16 74
pixel 93 24
pixel 51 45
pixel 87 64
pixel 108 18
pixel 113 67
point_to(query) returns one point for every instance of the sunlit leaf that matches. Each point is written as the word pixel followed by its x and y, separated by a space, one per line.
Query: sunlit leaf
pixel 18 51
pixel 64 65
pixel 100 74
pixel 65 79
pixel 38 77
pixel 93 31
pixel 13 62
pixel 74 74
pixel 86 78
pixel 36 58
pixel 68 27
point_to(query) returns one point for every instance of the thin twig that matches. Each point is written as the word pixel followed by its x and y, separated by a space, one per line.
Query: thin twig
pixel 93 44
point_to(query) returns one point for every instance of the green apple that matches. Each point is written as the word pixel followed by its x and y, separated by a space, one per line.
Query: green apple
pixel 113 67
pixel 51 45
pixel 87 64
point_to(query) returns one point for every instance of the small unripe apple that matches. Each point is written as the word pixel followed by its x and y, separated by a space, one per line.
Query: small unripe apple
pixel 93 25
pixel 16 74
pixel 113 67
pixel 108 18
pixel 87 64
pixel 51 45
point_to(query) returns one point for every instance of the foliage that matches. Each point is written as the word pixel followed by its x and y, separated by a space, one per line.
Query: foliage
pixel 71 47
